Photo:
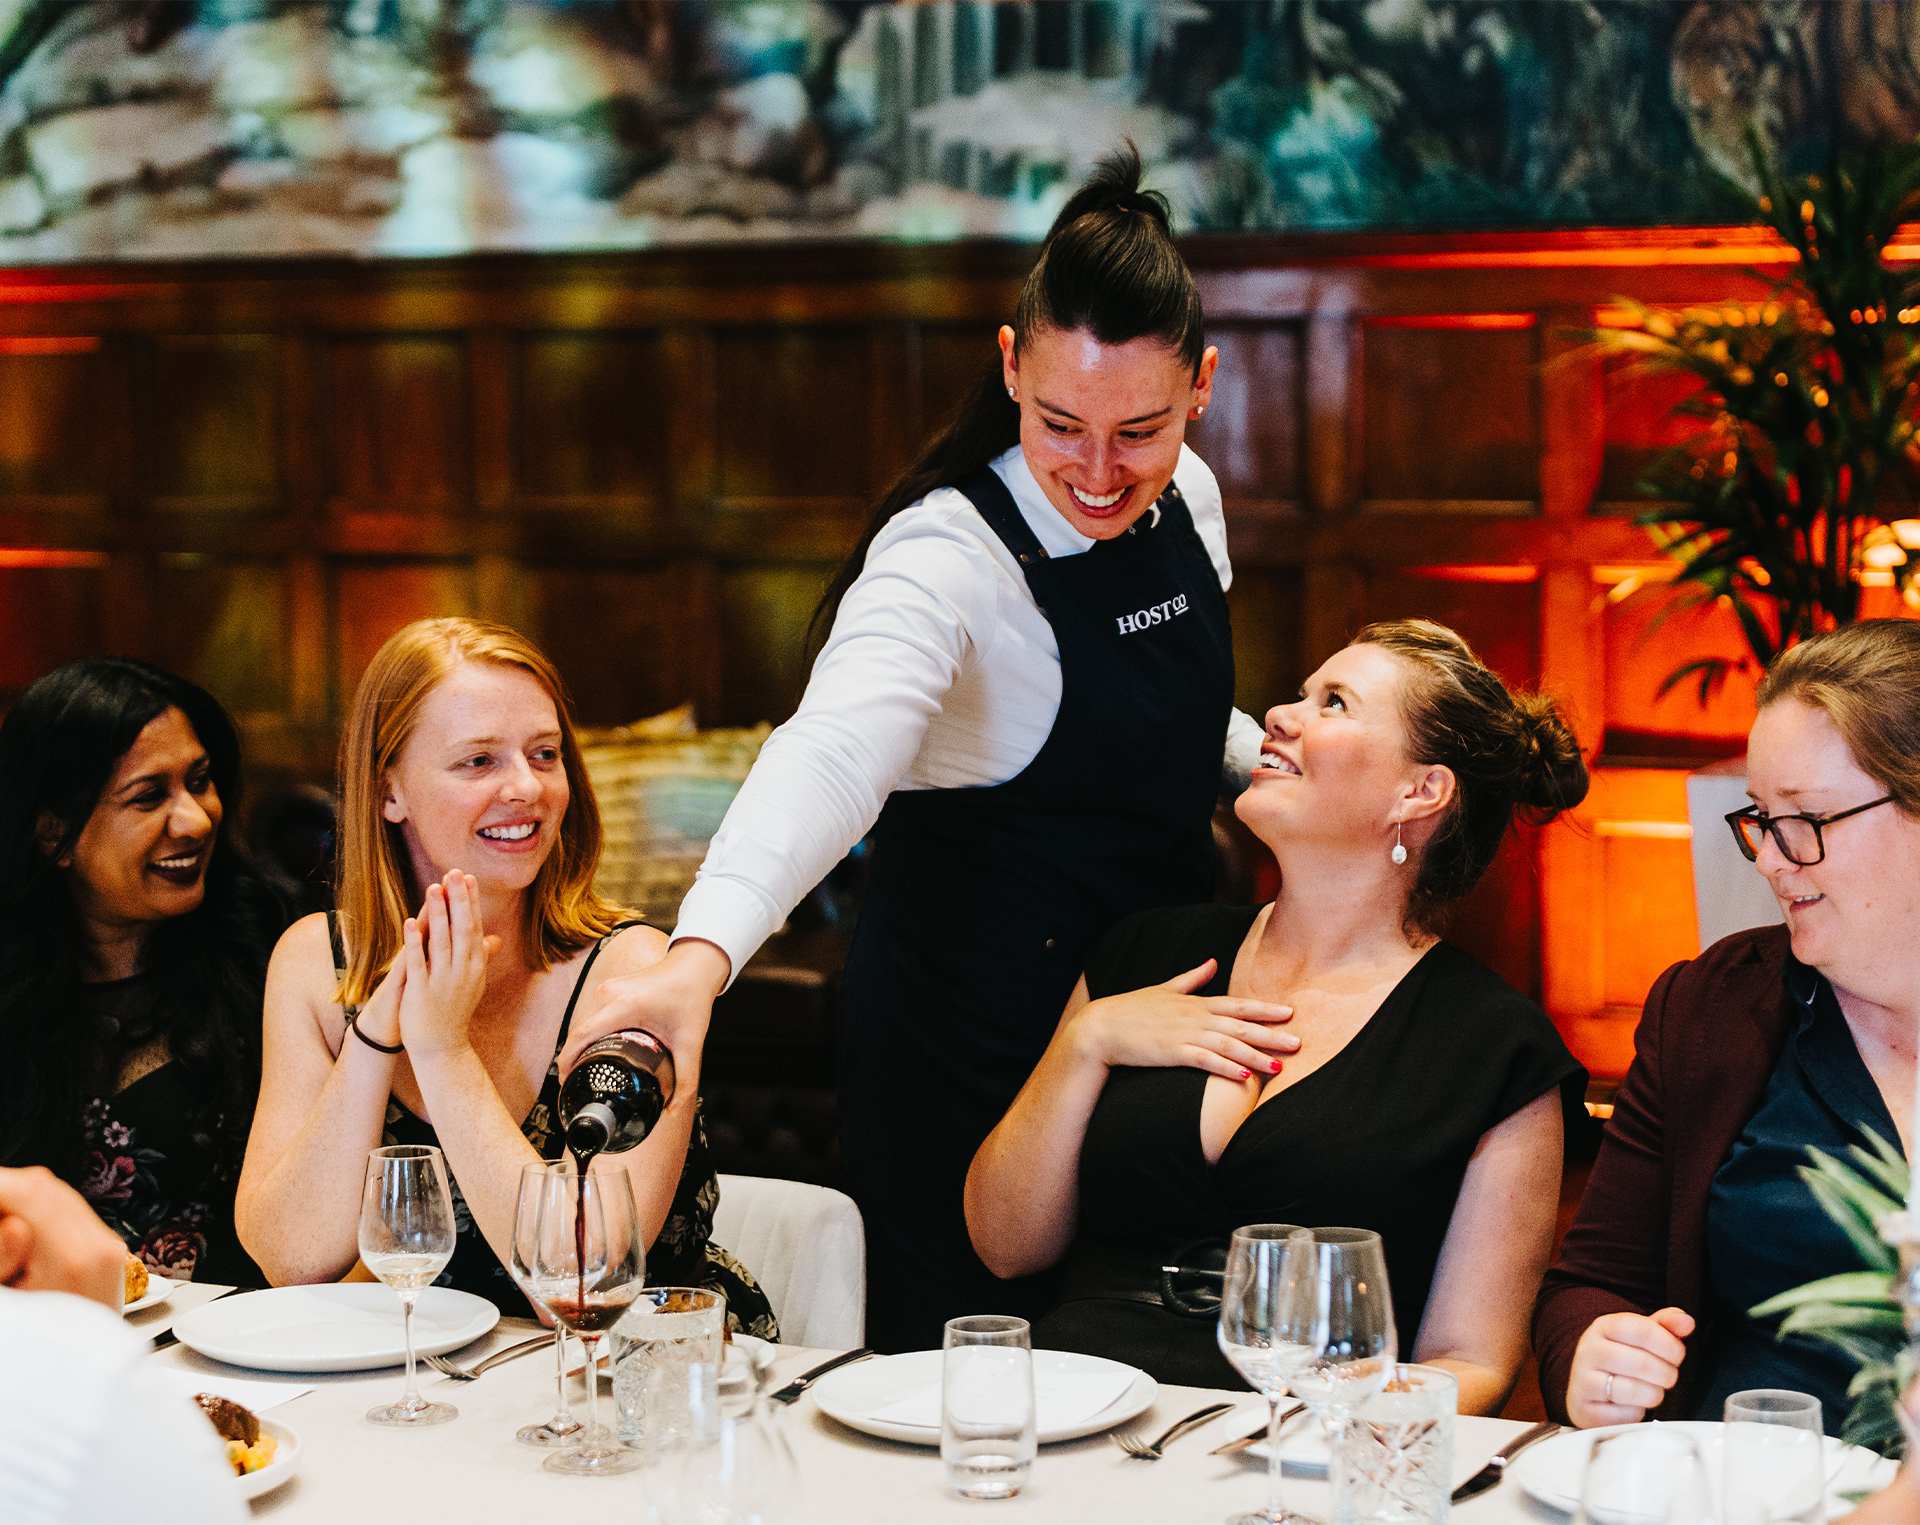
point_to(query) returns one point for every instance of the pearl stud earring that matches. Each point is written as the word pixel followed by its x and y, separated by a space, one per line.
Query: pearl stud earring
pixel 1399 854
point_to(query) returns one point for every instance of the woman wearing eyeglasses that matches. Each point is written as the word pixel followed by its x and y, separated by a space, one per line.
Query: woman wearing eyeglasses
pixel 1773 1041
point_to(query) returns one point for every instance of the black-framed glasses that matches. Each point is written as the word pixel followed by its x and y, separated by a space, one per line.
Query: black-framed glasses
pixel 1797 836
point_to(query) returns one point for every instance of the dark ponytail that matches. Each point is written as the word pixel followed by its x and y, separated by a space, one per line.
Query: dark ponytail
pixel 1507 752
pixel 1109 266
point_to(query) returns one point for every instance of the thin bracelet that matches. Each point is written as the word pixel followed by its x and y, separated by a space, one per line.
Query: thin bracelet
pixel 353 1026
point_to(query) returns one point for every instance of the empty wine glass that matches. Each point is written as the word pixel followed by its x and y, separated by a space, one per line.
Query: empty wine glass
pixel 578 1252
pixel 406 1239
pixel 1352 1339
pixel 562 1429
pixel 1266 1304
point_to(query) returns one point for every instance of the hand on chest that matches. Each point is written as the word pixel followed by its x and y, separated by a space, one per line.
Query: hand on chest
pixel 1327 1017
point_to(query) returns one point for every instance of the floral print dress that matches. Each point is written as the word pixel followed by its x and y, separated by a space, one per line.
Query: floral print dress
pixel 161 1182
pixel 683 1255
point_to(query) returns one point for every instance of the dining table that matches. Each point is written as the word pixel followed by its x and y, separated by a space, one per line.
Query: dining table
pixel 472 1470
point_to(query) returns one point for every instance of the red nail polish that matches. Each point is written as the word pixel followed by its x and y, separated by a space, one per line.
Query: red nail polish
pixel 1246 1074
pixel 1276 1066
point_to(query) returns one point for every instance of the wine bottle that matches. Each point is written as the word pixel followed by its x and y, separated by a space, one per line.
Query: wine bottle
pixel 616 1093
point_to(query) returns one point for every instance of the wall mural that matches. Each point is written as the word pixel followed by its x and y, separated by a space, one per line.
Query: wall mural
pixel 142 129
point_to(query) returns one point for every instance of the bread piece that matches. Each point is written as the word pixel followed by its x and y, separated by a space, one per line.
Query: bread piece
pixel 229 1418
pixel 136 1279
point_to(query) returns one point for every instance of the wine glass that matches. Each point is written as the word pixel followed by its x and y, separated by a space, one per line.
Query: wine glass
pixel 562 1429
pixel 406 1239
pixel 1351 1335
pixel 1265 1321
pixel 579 1254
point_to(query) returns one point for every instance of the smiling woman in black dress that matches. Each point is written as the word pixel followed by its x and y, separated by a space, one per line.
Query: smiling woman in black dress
pixel 133 951
pixel 1409 1090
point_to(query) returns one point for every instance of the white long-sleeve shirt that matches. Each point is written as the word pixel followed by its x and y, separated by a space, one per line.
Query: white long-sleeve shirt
pixel 88 1433
pixel 940 673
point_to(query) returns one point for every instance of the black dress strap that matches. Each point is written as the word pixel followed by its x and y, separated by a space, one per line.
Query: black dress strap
pixel 566 1022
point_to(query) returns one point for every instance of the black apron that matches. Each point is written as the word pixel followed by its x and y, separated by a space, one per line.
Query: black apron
pixel 982 903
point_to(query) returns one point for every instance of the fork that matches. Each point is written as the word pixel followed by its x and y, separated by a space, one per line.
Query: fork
pixel 1129 1440
pixel 446 1368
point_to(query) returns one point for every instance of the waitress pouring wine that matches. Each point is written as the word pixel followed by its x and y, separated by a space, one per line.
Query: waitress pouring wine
pixel 1028 686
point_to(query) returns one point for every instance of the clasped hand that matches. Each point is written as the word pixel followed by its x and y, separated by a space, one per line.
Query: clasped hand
pixel 442 967
pixel 1167 1026
pixel 1625 1364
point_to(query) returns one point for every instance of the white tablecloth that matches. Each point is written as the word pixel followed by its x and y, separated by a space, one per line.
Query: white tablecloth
pixel 352 1473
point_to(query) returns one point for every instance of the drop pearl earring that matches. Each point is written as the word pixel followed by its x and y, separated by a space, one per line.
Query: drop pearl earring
pixel 1399 853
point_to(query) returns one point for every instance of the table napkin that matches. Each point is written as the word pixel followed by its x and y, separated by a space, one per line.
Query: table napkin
pixel 1062 1397
pixel 253 1395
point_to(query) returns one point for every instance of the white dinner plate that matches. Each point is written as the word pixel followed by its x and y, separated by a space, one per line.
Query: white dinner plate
pixel 159 1289
pixel 1552 1471
pixel 855 1393
pixel 338 1326
pixel 286 1461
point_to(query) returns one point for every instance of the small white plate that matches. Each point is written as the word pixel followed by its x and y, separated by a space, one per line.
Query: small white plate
pixel 736 1360
pixel 338 1326
pixel 159 1289
pixel 286 1461
pixel 1303 1444
pixel 1552 1472
pixel 854 1393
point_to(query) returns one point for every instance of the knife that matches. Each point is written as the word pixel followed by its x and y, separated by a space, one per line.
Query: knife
pixel 167 1337
pixel 1258 1435
pixel 806 1379
pixel 1490 1475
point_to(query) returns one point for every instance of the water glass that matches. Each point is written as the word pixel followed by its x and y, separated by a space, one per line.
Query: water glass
pixel 406 1239
pixel 1393 1461
pixel 732 1463
pixel 1650 1474
pixel 988 1433
pixel 665 1332
pixel 1775 1469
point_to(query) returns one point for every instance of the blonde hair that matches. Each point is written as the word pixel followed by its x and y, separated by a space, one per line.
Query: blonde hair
pixel 375 890
pixel 1865 678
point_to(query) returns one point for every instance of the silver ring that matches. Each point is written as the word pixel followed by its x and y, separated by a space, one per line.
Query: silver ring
pixel 1609 1387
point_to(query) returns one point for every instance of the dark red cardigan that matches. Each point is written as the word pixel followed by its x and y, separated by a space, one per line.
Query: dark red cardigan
pixel 1706 1045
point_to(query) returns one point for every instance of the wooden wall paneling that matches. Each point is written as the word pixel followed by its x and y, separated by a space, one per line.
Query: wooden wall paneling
pixel 400 420
pixel 1333 410
pixel 374 598
pixel 692 466
pixel 1269 614
pixel 892 436
pixel 1253 430
pixel 952 356
pixel 595 420
pixel 54 402
pixel 1452 412
pixel 225 626
pixel 764 610
pixel 1572 662
pixel 491 352
pixel 793 446
pixel 1638 402
pixel 48 615
pixel 1656 627
pixel 211 445
pixel 631 642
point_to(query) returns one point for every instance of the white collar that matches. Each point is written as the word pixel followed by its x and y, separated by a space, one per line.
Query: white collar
pixel 1049 525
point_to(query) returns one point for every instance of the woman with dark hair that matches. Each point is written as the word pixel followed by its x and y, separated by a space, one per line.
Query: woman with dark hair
pixel 1026 691
pixel 1413 1092
pixel 134 940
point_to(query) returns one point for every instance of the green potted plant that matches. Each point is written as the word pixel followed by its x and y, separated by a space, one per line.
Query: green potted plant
pixel 1798 488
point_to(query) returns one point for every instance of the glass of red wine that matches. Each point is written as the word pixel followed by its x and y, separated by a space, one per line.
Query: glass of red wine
pixel 578 1254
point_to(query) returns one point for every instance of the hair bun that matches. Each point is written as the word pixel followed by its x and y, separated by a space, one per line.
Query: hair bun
pixel 1114 185
pixel 1552 775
